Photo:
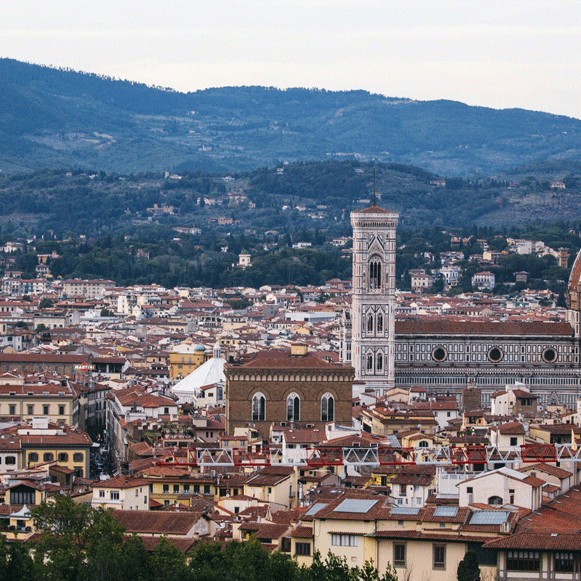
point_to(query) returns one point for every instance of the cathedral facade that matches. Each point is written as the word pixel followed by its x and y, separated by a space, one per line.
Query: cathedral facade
pixel 444 357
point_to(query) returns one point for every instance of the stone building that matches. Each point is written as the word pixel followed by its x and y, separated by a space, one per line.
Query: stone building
pixel 373 298
pixel 287 386
pixel 445 356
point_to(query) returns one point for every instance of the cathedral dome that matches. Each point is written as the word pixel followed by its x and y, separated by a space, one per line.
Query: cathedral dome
pixel 574 289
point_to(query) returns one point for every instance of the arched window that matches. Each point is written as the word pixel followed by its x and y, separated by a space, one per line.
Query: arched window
pixel 495 500
pixel 379 362
pixel 293 407
pixel 327 408
pixel 258 407
pixel 424 444
pixel 369 362
pixel 380 323
pixel 370 323
pixel 375 274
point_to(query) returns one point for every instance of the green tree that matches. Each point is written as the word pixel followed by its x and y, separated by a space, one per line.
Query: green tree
pixel 74 537
pixel 468 569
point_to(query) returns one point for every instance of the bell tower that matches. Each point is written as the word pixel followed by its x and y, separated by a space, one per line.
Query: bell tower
pixel 373 299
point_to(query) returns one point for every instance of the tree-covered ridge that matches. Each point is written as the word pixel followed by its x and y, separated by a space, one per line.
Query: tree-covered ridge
pixel 55 117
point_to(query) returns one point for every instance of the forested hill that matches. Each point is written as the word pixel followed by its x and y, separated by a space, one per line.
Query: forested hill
pixel 61 118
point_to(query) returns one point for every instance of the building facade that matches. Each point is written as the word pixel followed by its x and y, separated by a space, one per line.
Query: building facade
pixel 373 298
pixel 445 357
pixel 288 387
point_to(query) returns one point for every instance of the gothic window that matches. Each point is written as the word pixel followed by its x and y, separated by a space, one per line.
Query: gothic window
pixel 369 362
pixel 293 407
pixel 375 274
pixel 258 407
pixel 370 323
pixel 380 323
pixel 379 362
pixel 327 408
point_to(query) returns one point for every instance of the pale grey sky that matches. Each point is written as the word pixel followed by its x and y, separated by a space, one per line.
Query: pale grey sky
pixel 499 53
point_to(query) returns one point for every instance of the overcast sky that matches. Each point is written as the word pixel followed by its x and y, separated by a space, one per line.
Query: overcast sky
pixel 498 53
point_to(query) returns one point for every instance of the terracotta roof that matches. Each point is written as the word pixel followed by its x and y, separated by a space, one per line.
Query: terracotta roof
pixel 281 359
pixel 409 534
pixel 443 327
pixel 302 532
pixel 512 428
pixel 374 210
pixel 157 522
pixel 548 469
pixel 121 482
pixel 537 541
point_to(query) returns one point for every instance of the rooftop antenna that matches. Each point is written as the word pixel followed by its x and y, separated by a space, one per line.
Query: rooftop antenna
pixel 374 199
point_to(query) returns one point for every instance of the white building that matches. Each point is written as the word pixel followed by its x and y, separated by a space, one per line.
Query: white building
pixel 373 299
pixel 122 493
pixel 484 280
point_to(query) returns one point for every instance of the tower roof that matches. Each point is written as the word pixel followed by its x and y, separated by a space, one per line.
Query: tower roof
pixel 374 210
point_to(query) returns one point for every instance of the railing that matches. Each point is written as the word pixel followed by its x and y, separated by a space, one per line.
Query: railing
pixel 378 456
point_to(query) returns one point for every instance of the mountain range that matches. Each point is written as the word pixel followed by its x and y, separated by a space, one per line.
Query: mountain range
pixel 53 117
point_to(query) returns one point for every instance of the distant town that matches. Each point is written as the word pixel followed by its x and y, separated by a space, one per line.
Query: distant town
pixel 356 418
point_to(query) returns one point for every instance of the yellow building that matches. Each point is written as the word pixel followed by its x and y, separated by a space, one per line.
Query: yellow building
pixel 42 443
pixel 28 400
pixel 186 360
pixel 420 543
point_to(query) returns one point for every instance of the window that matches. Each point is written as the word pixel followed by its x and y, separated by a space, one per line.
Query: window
pixel 186 488
pixel 344 540
pixel 495 500
pixel 22 496
pixel 33 457
pixel 564 562
pixel 513 441
pixel 375 274
pixel 63 457
pixel 45 410
pixel 293 407
pixel 369 362
pixel 258 407
pixel 101 494
pixel 370 323
pixel 327 408
pixel 114 495
pixel 30 409
pixel 523 560
pixel 10 460
pixel 399 554
pixel 206 489
pixel 166 488
pixel 380 323
pixel 176 488
pixel 12 411
pixel 78 457
pixel 48 457
pixel 61 410
pixel 379 362
pixel 285 545
pixel 303 549
pixel 439 556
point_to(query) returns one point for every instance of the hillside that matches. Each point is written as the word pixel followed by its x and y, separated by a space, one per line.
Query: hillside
pixel 61 118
